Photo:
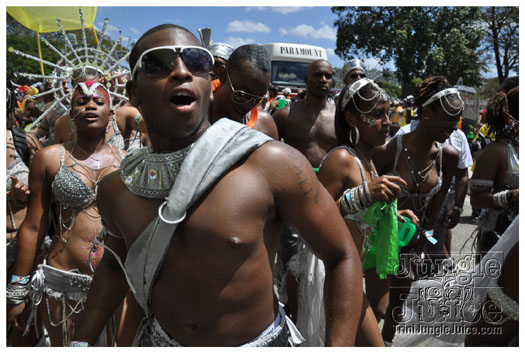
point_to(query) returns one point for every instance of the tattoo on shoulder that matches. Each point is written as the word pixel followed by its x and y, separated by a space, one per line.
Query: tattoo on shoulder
pixel 307 186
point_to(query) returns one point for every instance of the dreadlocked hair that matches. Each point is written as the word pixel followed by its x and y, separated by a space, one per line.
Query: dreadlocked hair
pixel 427 89
pixel 500 120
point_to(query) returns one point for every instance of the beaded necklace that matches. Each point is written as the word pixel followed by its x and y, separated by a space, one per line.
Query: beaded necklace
pixel 149 174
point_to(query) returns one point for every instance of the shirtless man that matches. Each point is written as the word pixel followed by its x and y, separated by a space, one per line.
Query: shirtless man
pixel 308 124
pixel 245 82
pixel 215 286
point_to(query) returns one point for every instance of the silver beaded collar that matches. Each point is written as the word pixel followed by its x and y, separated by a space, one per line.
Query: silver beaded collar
pixel 150 174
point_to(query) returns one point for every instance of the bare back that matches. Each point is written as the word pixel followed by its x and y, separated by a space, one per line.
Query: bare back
pixel 311 131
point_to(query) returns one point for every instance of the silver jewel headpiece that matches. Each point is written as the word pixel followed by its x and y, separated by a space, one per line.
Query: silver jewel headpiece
pixel 355 88
pixel 78 61
pixel 443 95
pixel 89 92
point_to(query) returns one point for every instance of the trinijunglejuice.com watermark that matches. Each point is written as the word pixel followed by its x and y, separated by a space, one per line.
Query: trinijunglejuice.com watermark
pixel 448 300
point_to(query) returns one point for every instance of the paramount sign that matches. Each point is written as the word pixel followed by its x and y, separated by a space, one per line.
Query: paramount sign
pixel 301 51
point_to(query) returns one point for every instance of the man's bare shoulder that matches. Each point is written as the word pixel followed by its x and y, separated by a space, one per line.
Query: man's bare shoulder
pixel 281 114
pixel 278 162
pixel 266 124
pixel 126 110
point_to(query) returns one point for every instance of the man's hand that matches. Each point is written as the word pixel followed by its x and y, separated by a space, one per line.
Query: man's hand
pixel 452 218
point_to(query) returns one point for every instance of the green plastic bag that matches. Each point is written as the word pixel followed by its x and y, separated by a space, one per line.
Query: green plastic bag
pixel 382 248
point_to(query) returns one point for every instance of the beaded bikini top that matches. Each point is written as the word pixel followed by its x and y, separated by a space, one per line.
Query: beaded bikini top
pixel 69 189
pixel 149 174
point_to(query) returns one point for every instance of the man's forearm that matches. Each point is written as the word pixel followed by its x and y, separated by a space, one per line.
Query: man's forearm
pixel 461 186
pixel 108 289
pixel 343 293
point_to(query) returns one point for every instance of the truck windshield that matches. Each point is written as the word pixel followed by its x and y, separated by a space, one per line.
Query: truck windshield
pixel 289 73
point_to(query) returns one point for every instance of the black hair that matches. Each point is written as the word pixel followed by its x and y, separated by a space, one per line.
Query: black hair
pixel 342 129
pixel 137 50
pixel 427 89
pixel 254 54
pixel 499 117
pixel 509 83
pixel 513 98
pixel 10 97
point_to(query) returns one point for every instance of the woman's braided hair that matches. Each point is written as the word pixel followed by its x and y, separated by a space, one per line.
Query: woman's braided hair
pixel 426 89
pixel 500 119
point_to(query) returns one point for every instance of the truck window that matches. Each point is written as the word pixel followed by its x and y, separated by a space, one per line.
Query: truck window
pixel 289 73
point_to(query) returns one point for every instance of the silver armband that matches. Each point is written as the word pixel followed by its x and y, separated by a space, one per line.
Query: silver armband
pixel 480 184
pixel 138 119
pixel 501 199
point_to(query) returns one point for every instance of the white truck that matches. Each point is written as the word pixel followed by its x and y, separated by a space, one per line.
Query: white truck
pixel 289 63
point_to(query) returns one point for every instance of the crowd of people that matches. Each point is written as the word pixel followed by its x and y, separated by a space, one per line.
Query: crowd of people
pixel 206 208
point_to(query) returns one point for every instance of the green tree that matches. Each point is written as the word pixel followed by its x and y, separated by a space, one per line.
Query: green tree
pixel 422 41
pixel 391 88
pixel 502 38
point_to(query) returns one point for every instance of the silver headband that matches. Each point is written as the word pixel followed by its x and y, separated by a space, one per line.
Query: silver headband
pixel 354 64
pixel 221 50
pixel 443 94
pixel 89 92
pixel 355 88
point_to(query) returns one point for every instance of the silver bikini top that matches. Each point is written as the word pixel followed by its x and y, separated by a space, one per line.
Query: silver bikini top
pixel 69 189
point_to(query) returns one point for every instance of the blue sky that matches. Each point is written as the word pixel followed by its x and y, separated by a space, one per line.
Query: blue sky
pixel 232 25
pixel 239 25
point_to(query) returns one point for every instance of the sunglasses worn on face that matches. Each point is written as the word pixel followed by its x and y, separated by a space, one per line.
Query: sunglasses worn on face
pixel 241 97
pixel 356 75
pixel 160 61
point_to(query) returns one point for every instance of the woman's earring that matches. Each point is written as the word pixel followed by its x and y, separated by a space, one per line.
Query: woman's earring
pixel 356 136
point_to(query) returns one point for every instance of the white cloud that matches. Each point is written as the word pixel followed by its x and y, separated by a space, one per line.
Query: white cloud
pixel 284 10
pixel 256 8
pixel 330 52
pixel 247 26
pixel 238 41
pixel 134 30
pixel 110 29
pixel 307 31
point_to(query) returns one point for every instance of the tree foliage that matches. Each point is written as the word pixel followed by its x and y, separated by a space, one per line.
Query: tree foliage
pixel 502 38
pixel 391 88
pixel 422 41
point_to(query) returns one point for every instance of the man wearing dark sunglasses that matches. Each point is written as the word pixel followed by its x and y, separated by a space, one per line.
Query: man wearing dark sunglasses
pixel 356 71
pixel 246 81
pixel 203 272
pixel 221 53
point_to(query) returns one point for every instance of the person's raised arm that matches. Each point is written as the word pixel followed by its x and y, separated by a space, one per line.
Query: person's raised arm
pixel 304 203
pixel 129 118
pixel 61 130
pixel 489 168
